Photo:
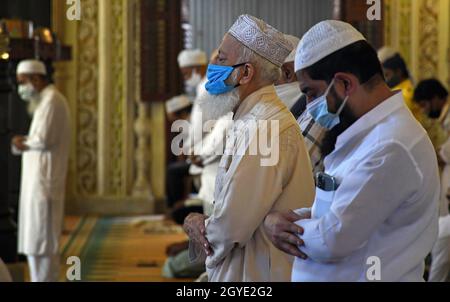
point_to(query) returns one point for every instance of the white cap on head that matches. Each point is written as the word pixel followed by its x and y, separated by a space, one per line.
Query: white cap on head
pixel 31 67
pixel 322 40
pixel 261 38
pixel 177 103
pixel 385 53
pixel 192 57
pixel 294 41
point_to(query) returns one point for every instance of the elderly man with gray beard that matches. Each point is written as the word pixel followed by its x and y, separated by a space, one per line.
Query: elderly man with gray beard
pixel 248 186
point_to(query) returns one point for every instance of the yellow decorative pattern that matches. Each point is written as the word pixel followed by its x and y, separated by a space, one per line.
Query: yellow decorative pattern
pixel 118 99
pixel 86 110
pixel 428 47
pixel 448 47
pixel 161 36
pixel 99 83
pixel 387 21
pixel 405 30
pixel 416 29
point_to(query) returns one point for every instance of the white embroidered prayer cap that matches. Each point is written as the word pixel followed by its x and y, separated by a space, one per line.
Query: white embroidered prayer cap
pixel 322 40
pixel 192 57
pixel 262 38
pixel 31 67
pixel 385 53
pixel 294 41
pixel 177 103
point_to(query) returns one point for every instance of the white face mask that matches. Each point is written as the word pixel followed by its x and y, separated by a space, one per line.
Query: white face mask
pixel 289 93
pixel 27 92
pixel 194 80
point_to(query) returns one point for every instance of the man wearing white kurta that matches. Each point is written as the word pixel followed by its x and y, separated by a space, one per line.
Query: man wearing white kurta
pixel 247 187
pixel 44 165
pixel 375 214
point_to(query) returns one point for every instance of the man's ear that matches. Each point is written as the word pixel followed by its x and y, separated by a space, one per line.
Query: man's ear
pixel 289 75
pixel 347 83
pixel 247 73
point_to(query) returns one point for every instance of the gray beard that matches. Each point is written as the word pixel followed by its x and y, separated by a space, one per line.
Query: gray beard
pixel 32 106
pixel 214 107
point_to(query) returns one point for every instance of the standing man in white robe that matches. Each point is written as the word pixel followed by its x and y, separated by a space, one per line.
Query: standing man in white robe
pixel 375 214
pixel 45 152
pixel 247 187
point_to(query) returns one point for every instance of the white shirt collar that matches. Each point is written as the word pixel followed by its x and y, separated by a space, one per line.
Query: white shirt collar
pixel 48 89
pixel 371 118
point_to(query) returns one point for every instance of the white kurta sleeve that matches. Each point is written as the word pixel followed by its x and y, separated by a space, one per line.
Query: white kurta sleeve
pixel 444 152
pixel 366 198
pixel 303 212
pixel 15 151
pixel 43 134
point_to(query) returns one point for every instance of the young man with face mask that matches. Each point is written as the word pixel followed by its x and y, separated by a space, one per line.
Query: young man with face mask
pixel 232 237
pixel 45 152
pixel 374 216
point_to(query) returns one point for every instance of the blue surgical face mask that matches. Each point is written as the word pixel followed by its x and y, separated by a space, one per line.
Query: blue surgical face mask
pixel 319 110
pixel 217 75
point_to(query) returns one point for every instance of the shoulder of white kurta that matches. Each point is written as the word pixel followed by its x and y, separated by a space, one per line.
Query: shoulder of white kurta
pixel 399 134
pixel 56 101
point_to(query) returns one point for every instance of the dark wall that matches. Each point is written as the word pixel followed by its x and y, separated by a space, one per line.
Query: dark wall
pixel 38 11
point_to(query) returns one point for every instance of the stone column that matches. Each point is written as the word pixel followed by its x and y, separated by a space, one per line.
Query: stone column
pixel 142 124
pixel 142 128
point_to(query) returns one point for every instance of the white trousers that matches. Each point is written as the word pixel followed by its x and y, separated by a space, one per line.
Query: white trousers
pixel 4 273
pixel 440 260
pixel 44 268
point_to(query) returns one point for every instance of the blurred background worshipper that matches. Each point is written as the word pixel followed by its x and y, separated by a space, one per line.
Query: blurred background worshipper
pixel 398 77
pixel 192 65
